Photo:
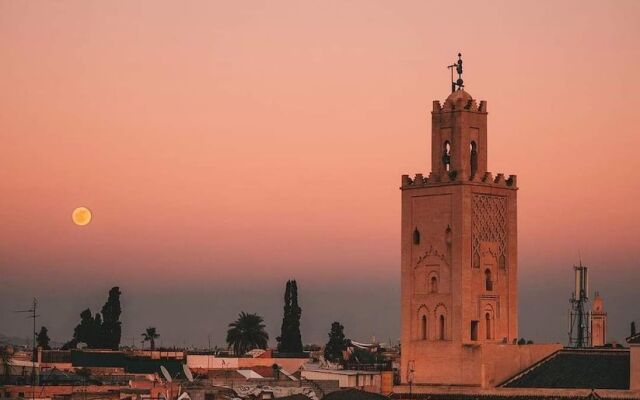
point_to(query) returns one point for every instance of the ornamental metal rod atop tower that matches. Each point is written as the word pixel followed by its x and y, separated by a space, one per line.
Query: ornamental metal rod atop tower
pixel 458 67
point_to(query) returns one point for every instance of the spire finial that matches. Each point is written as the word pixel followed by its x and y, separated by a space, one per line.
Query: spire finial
pixel 458 66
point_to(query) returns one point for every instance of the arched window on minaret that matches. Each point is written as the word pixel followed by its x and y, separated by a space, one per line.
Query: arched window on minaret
pixel 446 156
pixel 488 283
pixel 474 158
pixel 423 327
pixel 416 236
pixel 441 326
pixel 487 319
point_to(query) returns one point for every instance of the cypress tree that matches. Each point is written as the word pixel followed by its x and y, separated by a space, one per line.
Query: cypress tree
pixel 294 325
pixel 290 340
pixel 96 340
pixel 283 339
pixel 111 325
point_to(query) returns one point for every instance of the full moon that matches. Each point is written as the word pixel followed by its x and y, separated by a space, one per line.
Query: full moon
pixel 81 216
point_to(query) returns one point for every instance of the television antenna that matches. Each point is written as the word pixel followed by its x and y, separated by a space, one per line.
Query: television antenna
pixel 33 311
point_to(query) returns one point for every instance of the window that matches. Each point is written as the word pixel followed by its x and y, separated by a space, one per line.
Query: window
pixel 416 236
pixel 423 328
pixel 441 328
pixel 474 330
pixel 488 283
pixel 446 156
pixel 433 285
pixel 474 158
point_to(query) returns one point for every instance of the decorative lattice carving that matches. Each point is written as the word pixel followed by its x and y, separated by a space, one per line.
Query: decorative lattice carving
pixel 489 224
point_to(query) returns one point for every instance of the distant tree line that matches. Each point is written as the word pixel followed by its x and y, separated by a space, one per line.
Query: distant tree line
pixel 103 330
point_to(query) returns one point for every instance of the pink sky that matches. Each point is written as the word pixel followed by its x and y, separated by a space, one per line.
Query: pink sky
pixel 220 141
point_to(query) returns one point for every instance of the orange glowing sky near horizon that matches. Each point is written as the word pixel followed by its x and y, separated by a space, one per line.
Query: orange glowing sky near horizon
pixel 215 141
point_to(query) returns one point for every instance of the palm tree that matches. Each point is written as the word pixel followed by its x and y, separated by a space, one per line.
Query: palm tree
pixel 246 333
pixel 150 335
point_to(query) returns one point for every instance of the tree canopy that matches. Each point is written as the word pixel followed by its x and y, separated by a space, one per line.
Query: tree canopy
pixel 150 335
pixel 43 339
pixel 247 333
pixel 337 343
pixel 111 325
pixel 100 331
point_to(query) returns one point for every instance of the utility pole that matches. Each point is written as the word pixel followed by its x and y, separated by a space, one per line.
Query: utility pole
pixel 208 354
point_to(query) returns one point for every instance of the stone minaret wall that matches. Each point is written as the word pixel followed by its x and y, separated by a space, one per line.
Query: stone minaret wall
pixel 458 252
pixel 598 322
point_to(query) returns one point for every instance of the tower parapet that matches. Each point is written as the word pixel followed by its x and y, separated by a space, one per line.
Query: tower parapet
pixel 419 181
pixel 459 145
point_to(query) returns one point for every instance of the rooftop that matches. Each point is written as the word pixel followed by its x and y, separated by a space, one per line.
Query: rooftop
pixel 577 368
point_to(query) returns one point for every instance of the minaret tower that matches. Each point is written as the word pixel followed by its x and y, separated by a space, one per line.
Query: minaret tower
pixel 598 322
pixel 458 250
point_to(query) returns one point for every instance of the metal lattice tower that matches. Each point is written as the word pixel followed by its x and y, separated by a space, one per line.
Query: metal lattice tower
pixel 579 335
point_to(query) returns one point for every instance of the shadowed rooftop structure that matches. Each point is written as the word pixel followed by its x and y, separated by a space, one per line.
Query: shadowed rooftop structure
pixel 353 394
pixel 578 369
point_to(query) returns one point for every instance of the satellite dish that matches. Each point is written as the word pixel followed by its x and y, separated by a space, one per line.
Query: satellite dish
pixel 187 373
pixel 165 373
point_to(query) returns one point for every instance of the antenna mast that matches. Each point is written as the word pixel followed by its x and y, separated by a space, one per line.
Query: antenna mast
pixel 34 315
pixel 579 335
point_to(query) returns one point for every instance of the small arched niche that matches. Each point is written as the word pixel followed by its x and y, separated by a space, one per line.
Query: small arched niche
pixel 422 317
pixel 433 284
pixel 488 322
pixel 488 281
pixel 473 148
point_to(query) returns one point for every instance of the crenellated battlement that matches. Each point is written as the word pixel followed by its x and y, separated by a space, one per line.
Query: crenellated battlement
pixel 453 177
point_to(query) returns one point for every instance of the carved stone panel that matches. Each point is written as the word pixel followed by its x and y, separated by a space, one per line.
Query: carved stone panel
pixel 489 224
